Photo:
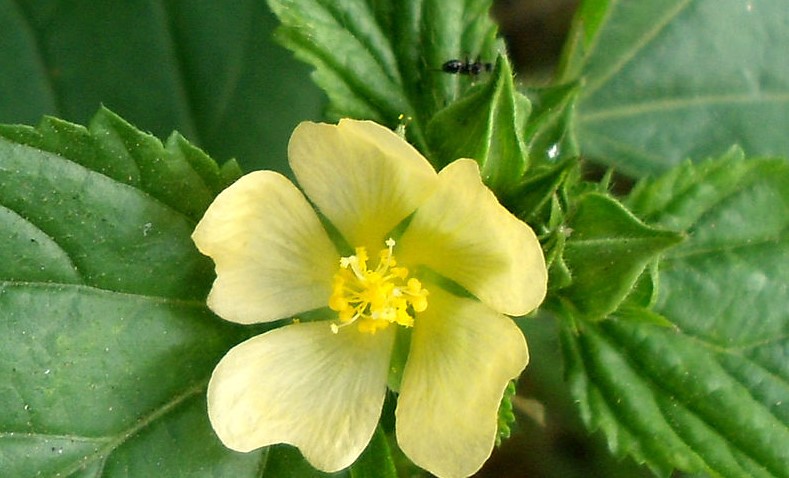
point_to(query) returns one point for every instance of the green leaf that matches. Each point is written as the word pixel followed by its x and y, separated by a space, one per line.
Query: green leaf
pixel 709 393
pixel 674 79
pixel 208 69
pixel 285 461
pixel 105 338
pixel 587 22
pixel 606 252
pixel 378 60
pixel 376 461
pixel 486 125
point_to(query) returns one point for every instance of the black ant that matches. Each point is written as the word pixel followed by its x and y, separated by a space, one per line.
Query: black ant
pixel 466 67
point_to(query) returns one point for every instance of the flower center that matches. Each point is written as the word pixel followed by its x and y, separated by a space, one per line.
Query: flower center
pixel 375 298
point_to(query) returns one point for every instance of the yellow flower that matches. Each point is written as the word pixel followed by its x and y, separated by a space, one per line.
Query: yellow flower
pixel 320 385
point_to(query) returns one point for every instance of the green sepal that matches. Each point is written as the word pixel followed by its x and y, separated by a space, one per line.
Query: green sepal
pixel 645 291
pixel 634 313
pixel 402 346
pixel 531 199
pixel 486 125
pixel 606 253
pixel 506 416
pixel 549 133
pixel 638 306
pixel 553 237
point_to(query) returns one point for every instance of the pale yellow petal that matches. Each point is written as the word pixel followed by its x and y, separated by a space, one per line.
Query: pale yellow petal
pixel 273 257
pixel 305 386
pixel 361 175
pixel 464 234
pixel 462 356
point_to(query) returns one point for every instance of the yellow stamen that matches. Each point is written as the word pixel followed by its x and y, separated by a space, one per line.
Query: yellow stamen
pixel 373 299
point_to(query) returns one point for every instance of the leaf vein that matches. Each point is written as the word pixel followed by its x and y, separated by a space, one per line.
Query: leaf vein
pixel 71 262
pixel 50 436
pixel 614 404
pixel 651 377
pixel 592 47
pixel 623 147
pixel 674 103
pixel 113 443
pixel 648 36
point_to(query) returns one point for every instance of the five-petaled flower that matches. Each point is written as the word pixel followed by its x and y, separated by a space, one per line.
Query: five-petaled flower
pixel 414 236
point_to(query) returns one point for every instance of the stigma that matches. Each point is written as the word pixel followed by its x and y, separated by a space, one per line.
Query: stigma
pixel 375 298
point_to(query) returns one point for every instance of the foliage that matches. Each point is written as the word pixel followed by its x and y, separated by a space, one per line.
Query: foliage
pixel 670 299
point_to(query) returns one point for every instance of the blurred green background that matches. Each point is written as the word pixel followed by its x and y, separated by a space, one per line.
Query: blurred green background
pixel 211 70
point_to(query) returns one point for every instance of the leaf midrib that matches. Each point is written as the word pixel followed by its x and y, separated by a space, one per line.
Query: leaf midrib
pixel 690 252
pixel 620 241
pixel 60 286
